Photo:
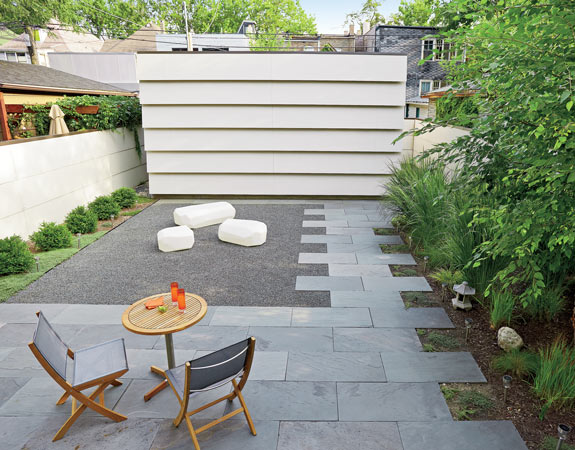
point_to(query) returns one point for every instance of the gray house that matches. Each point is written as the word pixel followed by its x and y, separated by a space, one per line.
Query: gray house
pixel 415 43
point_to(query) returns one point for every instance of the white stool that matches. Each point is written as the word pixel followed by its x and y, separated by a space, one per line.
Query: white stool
pixel 175 238
pixel 243 232
pixel 198 216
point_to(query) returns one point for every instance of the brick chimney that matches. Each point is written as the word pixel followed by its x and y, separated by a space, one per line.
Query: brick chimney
pixel 351 29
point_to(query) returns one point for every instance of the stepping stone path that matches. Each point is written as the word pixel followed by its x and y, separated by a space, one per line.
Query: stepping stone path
pixel 349 376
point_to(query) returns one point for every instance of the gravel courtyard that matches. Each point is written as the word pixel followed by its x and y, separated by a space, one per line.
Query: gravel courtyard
pixel 126 265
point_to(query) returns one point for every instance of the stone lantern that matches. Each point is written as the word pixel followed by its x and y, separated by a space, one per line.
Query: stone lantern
pixel 462 293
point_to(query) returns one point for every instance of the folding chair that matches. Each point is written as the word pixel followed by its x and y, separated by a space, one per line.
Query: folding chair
pixel 210 372
pixel 98 366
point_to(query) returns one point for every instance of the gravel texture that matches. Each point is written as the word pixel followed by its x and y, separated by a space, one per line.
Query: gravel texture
pixel 126 265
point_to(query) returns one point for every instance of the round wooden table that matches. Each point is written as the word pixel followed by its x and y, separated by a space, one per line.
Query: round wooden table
pixel 138 319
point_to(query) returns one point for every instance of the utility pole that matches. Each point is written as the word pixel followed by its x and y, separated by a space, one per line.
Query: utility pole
pixel 188 34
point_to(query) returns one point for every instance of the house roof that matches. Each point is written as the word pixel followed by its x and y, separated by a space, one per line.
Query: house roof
pixel 143 40
pixel 436 93
pixel 31 77
pixel 59 40
pixel 417 100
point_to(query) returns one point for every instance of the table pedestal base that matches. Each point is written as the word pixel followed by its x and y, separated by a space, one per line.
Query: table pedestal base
pixel 171 364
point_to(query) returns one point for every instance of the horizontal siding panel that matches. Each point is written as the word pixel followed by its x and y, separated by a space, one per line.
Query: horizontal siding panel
pixel 170 139
pixel 272 163
pixel 267 66
pixel 232 184
pixel 271 93
pixel 323 117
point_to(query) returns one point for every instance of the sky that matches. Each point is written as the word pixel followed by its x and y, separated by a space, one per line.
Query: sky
pixel 330 14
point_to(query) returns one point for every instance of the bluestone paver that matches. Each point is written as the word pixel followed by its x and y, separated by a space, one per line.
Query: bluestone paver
pixel 251 316
pixel 290 400
pixel 473 435
pixel 305 283
pixel 377 239
pixel 336 366
pixel 391 402
pixel 348 231
pixel 265 366
pixel 9 386
pixel 15 432
pixel 376 340
pixel 20 362
pixel 339 436
pixel 90 315
pixel 368 224
pixel 324 223
pixel 403 259
pixel 205 338
pixel 348 217
pixel 96 334
pixel 321 212
pixel 448 367
pixel 327 258
pixel 358 270
pixel 26 312
pixel 366 299
pixel 396 284
pixel 293 339
pixel 365 247
pixel 140 360
pixel 410 318
pixel 232 434
pixel 325 239
pixel 16 335
pixel 331 317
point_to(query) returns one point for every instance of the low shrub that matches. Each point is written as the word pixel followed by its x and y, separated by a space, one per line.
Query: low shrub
pixel 125 197
pixel 447 277
pixel 14 256
pixel 501 308
pixel 549 304
pixel 520 364
pixel 443 340
pixel 104 206
pixel 51 236
pixel 555 377
pixel 81 220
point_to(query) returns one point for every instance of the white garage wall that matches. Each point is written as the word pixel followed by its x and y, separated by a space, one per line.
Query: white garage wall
pixel 43 179
pixel 271 123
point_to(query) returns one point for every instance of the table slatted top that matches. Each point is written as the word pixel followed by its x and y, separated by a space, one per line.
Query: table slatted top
pixel 138 319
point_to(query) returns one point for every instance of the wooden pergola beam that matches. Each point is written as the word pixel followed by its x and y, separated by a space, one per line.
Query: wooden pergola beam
pixel 4 120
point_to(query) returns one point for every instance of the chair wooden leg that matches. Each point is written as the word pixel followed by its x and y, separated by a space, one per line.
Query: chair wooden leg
pixel 101 398
pixel 63 398
pixel 245 408
pixel 192 432
pixel 181 414
pixel 116 383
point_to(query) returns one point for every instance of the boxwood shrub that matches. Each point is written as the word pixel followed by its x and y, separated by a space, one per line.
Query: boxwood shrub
pixel 81 220
pixel 14 256
pixel 125 197
pixel 104 206
pixel 51 236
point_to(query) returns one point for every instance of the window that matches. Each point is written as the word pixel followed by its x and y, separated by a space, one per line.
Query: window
pixel 437 84
pixel 440 50
pixel 309 48
pixel 425 86
pixel 14 57
pixel 427 48
pixel 417 113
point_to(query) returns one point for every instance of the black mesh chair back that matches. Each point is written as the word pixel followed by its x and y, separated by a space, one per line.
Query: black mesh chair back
pixel 219 367
pixel 49 344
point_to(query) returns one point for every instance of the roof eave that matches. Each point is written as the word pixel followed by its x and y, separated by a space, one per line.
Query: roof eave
pixel 27 87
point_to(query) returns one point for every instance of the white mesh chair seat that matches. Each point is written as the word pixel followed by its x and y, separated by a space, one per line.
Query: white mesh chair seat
pixel 99 361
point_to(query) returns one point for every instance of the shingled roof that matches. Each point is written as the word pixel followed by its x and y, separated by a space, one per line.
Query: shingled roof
pixel 30 77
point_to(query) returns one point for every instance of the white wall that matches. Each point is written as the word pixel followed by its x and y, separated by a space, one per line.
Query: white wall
pixel 270 123
pixel 43 179
pixel 416 145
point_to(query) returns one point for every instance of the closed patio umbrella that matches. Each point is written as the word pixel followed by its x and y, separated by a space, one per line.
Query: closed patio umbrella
pixel 57 124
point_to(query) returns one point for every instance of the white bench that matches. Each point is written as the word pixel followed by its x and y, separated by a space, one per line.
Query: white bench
pixel 243 232
pixel 198 216
pixel 173 239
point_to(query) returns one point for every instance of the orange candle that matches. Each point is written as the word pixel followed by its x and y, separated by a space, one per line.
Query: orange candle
pixel 182 300
pixel 174 288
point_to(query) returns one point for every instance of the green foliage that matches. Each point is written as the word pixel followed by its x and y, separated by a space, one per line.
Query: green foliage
pixel 130 213
pixel 448 392
pixel 394 248
pixel 554 381
pixel 447 277
pixel 81 220
pixel 550 443
pixel 474 399
pixel 427 347
pixel 405 272
pixel 125 197
pixel 520 153
pixel 104 206
pixel 520 364
pixel 14 256
pixel 11 284
pixel 550 303
pixel 399 221
pixel 368 13
pixel 51 236
pixel 421 332
pixel 442 341
pixel 501 304
pixel 417 13
pixel 458 111
pixel 383 231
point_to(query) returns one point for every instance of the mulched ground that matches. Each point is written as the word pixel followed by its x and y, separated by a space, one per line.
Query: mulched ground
pixel 126 265
pixel 522 406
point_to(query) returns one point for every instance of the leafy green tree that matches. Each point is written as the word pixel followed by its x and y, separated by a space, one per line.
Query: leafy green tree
pixel 521 150
pixel 367 14
pixel 417 13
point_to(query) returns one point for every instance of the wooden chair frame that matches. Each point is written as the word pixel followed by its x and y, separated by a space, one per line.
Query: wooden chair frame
pixel 76 392
pixel 237 392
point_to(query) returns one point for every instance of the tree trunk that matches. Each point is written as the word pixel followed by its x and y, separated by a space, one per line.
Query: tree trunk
pixel 32 50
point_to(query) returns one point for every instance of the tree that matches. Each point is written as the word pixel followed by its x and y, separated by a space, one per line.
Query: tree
pixel 521 149
pixel 112 19
pixel 367 14
pixel 417 13
pixel 24 16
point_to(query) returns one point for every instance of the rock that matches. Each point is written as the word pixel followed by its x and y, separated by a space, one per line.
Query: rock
pixel 508 339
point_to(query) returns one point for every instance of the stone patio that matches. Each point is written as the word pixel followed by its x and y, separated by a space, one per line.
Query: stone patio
pixel 351 375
